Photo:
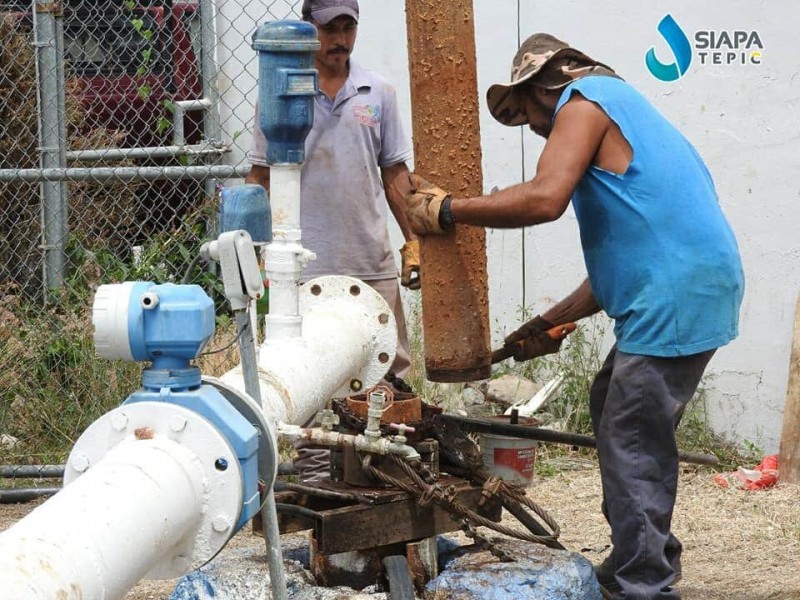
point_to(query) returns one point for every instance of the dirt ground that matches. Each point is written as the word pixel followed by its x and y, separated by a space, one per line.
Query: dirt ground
pixel 738 545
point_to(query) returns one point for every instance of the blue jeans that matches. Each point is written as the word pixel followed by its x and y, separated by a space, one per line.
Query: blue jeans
pixel 636 403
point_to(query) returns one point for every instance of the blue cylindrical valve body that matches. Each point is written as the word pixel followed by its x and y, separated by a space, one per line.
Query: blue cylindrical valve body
pixel 287 85
pixel 246 207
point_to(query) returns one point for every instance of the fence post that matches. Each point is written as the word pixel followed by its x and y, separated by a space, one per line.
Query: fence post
pixel 49 44
pixel 208 67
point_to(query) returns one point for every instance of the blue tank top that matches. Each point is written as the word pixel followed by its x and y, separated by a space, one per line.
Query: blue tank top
pixel 661 257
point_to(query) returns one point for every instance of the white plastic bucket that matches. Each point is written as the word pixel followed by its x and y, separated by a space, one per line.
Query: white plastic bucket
pixel 512 458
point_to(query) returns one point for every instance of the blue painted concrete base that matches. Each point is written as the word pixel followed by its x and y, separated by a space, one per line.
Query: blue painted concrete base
pixel 539 573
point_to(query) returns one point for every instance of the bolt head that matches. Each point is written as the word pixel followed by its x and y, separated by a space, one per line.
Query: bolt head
pixel 80 462
pixel 177 423
pixel 119 421
pixel 220 523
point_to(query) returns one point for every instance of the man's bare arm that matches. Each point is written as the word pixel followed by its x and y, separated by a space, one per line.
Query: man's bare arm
pixel 258 174
pixel 396 184
pixel 578 305
pixel 578 131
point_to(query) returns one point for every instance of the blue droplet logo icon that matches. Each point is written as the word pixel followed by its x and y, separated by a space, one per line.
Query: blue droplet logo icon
pixel 681 49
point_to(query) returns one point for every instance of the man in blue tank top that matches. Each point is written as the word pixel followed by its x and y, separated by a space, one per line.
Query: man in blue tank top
pixel 661 259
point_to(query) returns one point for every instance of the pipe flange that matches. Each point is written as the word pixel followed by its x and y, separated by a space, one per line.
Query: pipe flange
pixel 332 290
pixel 250 410
pixel 222 475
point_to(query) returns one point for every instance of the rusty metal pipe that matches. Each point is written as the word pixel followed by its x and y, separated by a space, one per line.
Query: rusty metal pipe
pixel 447 151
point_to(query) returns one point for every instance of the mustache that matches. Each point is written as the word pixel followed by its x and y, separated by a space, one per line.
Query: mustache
pixel 339 50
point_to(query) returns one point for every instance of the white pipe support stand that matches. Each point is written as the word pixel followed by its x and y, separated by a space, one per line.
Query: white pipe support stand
pixel 348 342
pixel 174 484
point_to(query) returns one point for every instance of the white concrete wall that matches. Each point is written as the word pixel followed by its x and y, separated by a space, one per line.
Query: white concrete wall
pixel 744 120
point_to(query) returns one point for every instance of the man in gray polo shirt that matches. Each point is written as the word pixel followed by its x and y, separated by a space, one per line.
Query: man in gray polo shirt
pixel 355 166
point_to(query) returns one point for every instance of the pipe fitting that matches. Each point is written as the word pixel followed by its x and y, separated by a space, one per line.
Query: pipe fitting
pixel 327 419
pixel 377 401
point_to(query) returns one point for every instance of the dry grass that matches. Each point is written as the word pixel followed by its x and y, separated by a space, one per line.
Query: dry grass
pixel 738 545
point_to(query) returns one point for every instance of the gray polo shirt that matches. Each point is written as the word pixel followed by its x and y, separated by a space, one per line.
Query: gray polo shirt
pixel 343 211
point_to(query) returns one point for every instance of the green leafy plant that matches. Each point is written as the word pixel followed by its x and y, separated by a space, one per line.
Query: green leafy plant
pixel 164 123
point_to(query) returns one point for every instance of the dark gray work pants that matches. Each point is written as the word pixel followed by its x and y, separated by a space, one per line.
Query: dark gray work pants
pixel 636 403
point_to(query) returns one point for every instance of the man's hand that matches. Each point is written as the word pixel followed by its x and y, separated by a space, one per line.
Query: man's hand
pixel 409 272
pixel 423 204
pixel 537 337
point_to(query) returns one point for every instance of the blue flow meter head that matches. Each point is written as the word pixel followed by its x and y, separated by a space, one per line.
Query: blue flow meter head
pixel 167 324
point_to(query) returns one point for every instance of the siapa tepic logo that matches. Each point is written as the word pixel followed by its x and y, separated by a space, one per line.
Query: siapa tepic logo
pixel 711 47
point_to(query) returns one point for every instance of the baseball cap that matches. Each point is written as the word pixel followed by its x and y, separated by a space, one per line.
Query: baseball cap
pixel 325 11
pixel 553 64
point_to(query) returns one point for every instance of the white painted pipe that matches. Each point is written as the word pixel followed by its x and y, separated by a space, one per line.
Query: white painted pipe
pixel 284 258
pixel 348 341
pixel 284 199
pixel 100 535
pixel 151 489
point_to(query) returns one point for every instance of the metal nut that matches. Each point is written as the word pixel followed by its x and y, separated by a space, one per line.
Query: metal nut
pixel 177 423
pixel 119 421
pixel 220 523
pixel 80 462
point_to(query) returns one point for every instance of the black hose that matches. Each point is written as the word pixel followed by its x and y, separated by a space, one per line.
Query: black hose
pixel 401 585
pixel 18 496
pixel 558 437
pixel 32 471
pixel 187 276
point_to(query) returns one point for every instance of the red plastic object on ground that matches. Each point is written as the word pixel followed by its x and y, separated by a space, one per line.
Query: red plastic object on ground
pixel 762 476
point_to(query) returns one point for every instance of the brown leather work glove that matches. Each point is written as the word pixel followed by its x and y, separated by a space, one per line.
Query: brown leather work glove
pixel 538 337
pixel 423 203
pixel 409 272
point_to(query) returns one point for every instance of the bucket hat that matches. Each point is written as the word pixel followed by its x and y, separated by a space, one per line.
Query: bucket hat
pixel 325 11
pixel 553 64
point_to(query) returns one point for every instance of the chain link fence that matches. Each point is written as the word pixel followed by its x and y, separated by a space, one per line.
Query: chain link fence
pixel 117 130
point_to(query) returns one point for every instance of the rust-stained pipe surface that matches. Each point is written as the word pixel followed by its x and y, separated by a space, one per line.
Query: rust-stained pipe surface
pixel 446 131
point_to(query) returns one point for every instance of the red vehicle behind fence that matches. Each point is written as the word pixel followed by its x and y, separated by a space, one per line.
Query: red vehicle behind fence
pixel 128 62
